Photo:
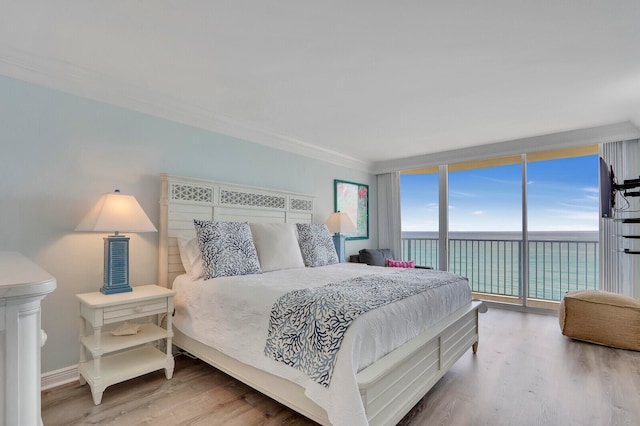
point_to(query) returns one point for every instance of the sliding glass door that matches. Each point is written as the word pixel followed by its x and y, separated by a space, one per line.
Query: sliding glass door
pixel 563 203
pixel 485 226
pixel 523 229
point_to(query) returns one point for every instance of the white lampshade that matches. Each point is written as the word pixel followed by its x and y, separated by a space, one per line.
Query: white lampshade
pixel 340 223
pixel 116 212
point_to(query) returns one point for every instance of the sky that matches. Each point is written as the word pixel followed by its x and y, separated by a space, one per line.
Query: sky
pixel 562 196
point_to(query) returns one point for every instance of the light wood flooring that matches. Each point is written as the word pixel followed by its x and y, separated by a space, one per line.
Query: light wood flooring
pixel 525 373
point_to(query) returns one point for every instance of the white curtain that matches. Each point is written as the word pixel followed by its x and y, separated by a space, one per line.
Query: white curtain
pixel 389 221
pixel 620 271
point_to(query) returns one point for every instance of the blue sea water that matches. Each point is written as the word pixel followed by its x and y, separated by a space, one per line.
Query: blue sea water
pixel 558 261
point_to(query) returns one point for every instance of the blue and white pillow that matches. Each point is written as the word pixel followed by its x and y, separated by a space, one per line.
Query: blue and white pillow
pixel 316 244
pixel 227 248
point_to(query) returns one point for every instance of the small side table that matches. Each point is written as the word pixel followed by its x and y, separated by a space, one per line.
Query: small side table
pixel 115 359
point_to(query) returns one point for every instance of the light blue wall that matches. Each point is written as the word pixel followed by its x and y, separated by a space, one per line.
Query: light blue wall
pixel 61 152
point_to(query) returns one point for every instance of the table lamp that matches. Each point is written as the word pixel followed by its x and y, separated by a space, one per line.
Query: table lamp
pixel 116 212
pixel 338 223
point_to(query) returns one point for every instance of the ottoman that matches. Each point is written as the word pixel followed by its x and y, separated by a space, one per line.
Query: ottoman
pixel 600 317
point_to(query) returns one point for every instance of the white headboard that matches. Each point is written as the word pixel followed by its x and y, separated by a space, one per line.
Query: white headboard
pixel 183 199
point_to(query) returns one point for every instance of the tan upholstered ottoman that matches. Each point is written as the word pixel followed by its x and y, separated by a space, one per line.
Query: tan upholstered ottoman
pixel 601 317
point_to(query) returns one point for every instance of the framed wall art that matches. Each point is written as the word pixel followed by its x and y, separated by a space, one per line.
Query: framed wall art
pixel 353 199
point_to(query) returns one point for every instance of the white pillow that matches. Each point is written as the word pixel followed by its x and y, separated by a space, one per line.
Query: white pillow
pixel 191 256
pixel 277 246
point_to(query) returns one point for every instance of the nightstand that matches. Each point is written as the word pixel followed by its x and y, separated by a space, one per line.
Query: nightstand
pixel 115 359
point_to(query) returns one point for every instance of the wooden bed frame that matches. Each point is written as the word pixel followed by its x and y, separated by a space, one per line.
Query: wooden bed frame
pixel 389 388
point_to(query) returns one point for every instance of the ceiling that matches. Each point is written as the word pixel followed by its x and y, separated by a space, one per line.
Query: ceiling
pixel 355 82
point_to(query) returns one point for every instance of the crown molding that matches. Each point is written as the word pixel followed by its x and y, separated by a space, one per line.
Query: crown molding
pixel 91 84
pixel 615 132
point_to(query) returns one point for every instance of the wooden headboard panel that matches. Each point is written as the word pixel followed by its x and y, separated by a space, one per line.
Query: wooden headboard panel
pixel 183 199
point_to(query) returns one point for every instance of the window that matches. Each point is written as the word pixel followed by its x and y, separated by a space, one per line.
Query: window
pixel 515 241
pixel 563 225
pixel 485 225
pixel 420 212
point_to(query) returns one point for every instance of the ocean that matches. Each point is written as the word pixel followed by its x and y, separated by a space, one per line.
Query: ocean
pixel 558 261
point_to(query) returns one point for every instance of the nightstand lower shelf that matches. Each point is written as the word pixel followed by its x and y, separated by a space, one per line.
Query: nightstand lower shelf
pixel 109 343
pixel 123 366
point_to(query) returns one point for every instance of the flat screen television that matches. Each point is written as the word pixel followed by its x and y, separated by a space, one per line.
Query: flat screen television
pixel 607 189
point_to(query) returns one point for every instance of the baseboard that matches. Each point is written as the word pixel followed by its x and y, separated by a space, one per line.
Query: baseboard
pixel 59 377
pixel 520 308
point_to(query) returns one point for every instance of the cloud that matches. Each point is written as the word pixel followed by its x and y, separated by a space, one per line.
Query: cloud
pixel 502 181
pixel 477 212
pixel 584 215
pixel 462 194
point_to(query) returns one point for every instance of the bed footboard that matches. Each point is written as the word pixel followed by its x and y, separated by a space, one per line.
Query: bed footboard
pixel 394 384
pixel 389 388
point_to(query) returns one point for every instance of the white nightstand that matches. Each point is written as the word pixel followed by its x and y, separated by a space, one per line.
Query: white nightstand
pixel 115 359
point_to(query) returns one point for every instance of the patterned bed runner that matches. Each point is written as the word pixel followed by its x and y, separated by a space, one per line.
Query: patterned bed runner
pixel 307 326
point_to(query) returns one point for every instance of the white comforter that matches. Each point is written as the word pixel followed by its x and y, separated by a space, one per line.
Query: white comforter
pixel 231 314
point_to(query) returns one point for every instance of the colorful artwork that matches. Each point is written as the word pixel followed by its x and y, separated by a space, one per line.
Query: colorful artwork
pixel 353 199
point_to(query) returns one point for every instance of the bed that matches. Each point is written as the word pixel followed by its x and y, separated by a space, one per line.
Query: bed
pixel 378 386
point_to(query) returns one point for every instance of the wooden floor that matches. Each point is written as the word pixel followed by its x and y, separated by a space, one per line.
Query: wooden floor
pixel 525 373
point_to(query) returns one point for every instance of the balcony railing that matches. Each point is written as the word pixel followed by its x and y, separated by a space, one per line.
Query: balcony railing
pixel 493 266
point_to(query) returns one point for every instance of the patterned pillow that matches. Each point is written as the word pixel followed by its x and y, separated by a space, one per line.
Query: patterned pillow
pixel 227 249
pixel 401 263
pixel 316 244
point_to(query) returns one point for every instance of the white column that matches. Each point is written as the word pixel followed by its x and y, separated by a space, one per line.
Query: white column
pixel 23 285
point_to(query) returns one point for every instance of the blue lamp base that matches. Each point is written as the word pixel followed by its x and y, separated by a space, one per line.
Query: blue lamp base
pixel 338 242
pixel 116 265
